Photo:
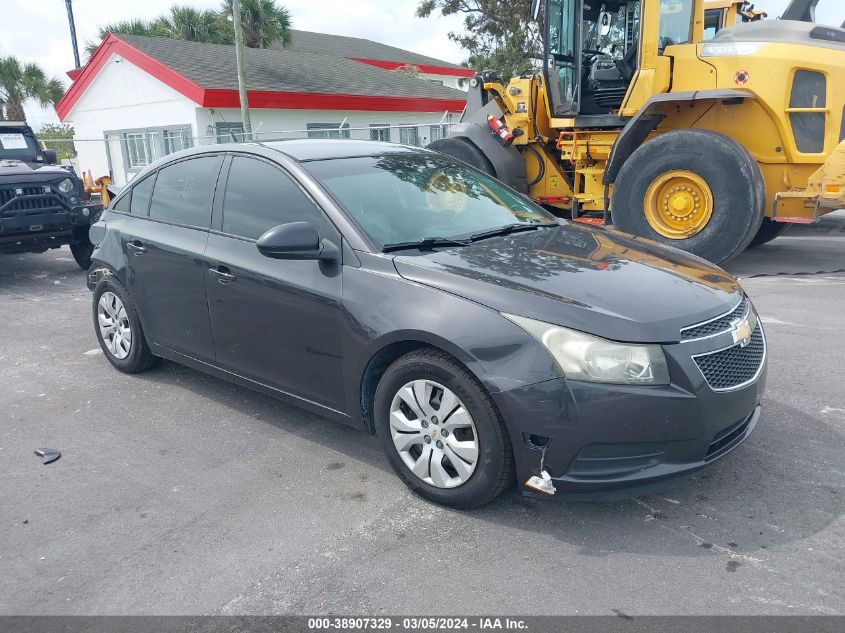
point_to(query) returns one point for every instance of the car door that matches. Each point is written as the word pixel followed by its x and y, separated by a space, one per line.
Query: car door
pixel 274 321
pixel 166 275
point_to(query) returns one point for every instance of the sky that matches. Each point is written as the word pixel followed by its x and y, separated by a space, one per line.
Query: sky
pixel 37 30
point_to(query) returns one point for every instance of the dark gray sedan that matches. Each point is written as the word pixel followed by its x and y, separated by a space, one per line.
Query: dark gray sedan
pixel 404 293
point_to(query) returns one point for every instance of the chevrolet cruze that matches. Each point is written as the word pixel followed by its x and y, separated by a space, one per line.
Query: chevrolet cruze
pixel 406 294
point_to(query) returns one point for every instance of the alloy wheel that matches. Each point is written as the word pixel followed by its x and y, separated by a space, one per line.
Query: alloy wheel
pixel 434 434
pixel 114 325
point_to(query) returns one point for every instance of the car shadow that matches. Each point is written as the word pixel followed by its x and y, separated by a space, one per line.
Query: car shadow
pixel 765 494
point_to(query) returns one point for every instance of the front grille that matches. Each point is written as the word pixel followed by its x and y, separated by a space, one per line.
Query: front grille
pixel 44 202
pixel 736 366
pixel 726 439
pixel 717 325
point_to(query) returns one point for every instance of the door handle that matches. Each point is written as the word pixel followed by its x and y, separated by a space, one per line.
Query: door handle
pixel 223 275
pixel 136 247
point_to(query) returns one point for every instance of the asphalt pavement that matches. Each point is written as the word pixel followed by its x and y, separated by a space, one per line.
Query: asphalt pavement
pixel 178 493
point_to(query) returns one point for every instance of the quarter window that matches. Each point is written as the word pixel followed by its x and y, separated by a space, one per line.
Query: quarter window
pixel 184 191
pixel 260 196
pixel 141 193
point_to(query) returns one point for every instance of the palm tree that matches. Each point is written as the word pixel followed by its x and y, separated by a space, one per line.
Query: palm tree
pixel 193 25
pixel 264 22
pixel 19 82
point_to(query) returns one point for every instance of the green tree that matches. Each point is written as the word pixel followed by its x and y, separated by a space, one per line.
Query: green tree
pixel 20 82
pixel 497 35
pixel 59 137
pixel 264 22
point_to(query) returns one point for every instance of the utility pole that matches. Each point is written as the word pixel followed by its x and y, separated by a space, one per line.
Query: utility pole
pixel 239 61
pixel 69 5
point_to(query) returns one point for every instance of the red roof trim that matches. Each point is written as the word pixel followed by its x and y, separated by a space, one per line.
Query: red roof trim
pixel 74 73
pixel 315 101
pixel 424 68
pixel 114 45
pixel 217 98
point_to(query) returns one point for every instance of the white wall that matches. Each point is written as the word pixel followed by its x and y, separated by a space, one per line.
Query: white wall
pixel 122 96
pixel 273 124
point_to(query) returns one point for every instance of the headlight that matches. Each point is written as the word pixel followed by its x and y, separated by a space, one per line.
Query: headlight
pixel 66 186
pixel 593 359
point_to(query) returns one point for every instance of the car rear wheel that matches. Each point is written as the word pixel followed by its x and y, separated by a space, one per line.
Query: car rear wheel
pixel 119 329
pixel 692 189
pixel 441 431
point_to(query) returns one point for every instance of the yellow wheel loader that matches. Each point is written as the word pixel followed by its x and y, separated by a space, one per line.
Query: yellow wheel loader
pixel 708 146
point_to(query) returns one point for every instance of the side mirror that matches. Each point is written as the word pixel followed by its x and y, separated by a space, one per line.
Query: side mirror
pixel 604 23
pixel 296 240
pixel 50 156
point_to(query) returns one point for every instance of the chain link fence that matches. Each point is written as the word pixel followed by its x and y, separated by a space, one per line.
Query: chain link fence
pixel 121 155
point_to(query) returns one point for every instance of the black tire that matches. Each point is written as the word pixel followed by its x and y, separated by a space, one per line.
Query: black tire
pixel 464 150
pixel 734 178
pixel 140 357
pixel 768 231
pixel 494 468
pixel 82 251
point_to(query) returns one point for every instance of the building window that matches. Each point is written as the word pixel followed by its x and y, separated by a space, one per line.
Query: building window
pixel 176 140
pixel 328 130
pixel 409 135
pixel 137 154
pixel 229 132
pixel 380 132
pixel 436 132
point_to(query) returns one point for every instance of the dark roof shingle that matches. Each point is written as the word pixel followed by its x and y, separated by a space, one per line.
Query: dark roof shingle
pixel 212 66
pixel 357 48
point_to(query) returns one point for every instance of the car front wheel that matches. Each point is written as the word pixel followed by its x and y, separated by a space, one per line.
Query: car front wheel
pixel 441 431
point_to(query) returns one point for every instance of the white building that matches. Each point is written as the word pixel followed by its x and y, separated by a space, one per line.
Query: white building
pixel 146 97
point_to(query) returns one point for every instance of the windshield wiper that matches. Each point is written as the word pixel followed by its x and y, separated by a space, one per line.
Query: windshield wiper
pixel 426 242
pixel 510 228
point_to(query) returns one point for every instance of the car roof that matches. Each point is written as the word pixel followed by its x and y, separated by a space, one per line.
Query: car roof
pixel 302 150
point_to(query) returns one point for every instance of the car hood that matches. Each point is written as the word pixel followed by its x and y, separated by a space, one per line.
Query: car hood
pixel 599 281
pixel 30 172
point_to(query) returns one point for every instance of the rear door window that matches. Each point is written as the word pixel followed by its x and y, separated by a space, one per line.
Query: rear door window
pixel 141 193
pixel 260 196
pixel 184 191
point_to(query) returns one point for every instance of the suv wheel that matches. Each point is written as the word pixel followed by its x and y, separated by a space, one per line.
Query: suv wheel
pixel 441 431
pixel 81 252
pixel 119 329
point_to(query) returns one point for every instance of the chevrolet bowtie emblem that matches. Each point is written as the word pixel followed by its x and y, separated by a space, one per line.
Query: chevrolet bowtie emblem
pixel 742 332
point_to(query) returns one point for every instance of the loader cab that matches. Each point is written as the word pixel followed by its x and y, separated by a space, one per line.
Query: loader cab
pixel 593 56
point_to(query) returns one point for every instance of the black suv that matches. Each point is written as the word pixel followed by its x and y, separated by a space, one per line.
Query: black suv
pixel 42 205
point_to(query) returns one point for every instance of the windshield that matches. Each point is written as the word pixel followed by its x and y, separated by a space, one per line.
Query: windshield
pixel 408 197
pixel 18 146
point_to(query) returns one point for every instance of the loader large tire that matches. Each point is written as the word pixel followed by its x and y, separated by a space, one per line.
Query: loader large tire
pixel 464 150
pixel 692 189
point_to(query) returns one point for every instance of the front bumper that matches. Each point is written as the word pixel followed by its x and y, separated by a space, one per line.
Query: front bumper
pixel 41 228
pixel 605 438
